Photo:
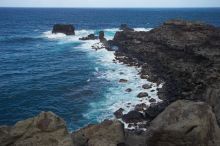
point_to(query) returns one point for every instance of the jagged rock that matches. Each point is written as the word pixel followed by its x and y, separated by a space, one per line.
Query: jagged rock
pixel 152 100
pixel 119 113
pixel 108 133
pixel 183 54
pixel 141 107
pixel 89 37
pixel 125 27
pixel 142 94
pixel 128 90
pixel 67 29
pixel 133 117
pixel 154 110
pixel 146 86
pixel 44 129
pixel 123 81
pixel 185 123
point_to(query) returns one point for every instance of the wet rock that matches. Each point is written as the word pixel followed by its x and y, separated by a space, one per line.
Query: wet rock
pixel 128 90
pixel 108 133
pixel 119 113
pixel 44 129
pixel 146 86
pixel 184 123
pixel 141 107
pixel 123 81
pixel 133 117
pixel 142 94
pixel 152 100
pixel 155 109
pixel 89 37
pixel 67 29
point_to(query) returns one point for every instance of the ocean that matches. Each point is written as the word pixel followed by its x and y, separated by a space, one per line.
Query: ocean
pixel 41 71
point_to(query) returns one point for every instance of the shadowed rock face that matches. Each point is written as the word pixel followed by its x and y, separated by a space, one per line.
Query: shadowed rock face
pixel 67 29
pixel 186 55
pixel 44 129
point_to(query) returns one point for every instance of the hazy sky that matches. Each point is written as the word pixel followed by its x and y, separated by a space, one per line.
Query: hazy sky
pixel 109 3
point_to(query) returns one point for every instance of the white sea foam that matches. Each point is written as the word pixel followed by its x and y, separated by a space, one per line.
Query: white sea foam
pixel 142 29
pixel 115 97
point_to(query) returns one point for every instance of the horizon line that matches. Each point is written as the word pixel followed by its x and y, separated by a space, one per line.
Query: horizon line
pixel 110 7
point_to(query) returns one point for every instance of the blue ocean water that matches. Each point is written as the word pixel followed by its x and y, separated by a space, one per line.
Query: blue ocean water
pixel 40 71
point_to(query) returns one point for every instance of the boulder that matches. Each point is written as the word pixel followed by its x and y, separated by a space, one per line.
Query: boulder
pixel 108 133
pixel 123 81
pixel 142 94
pixel 119 113
pixel 44 129
pixel 152 100
pixel 155 109
pixel 141 107
pixel 125 27
pixel 184 123
pixel 146 86
pixel 128 90
pixel 133 117
pixel 67 29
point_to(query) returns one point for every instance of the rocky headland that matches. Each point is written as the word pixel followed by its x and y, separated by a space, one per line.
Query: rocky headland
pixel 185 57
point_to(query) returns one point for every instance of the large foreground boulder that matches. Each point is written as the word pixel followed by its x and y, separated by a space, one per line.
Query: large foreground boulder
pixel 43 130
pixel 108 133
pixel 67 29
pixel 185 123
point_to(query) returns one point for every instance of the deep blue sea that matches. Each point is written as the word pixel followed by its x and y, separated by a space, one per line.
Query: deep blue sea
pixel 40 71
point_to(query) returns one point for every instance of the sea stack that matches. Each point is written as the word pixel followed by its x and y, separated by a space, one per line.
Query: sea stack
pixel 67 29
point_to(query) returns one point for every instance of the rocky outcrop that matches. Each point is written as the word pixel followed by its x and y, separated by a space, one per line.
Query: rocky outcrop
pixel 108 133
pixel 43 130
pixel 184 123
pixel 185 55
pixel 89 37
pixel 125 27
pixel 67 29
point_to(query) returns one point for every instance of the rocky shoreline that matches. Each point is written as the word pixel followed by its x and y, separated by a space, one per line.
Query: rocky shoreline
pixel 185 57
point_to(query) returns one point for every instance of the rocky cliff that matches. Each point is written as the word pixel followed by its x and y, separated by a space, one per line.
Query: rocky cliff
pixel 185 57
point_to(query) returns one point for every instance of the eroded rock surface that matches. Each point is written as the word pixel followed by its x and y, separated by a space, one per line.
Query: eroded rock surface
pixel 43 130
pixel 185 123
pixel 108 133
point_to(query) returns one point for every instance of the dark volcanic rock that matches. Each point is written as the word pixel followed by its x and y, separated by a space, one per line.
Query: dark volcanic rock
pixel 125 27
pixel 154 110
pixel 141 107
pixel 146 86
pixel 123 81
pixel 89 37
pixel 152 100
pixel 133 117
pixel 128 90
pixel 67 29
pixel 102 36
pixel 142 94
pixel 185 55
pixel 119 113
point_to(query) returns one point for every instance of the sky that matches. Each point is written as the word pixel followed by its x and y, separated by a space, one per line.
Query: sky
pixel 110 3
